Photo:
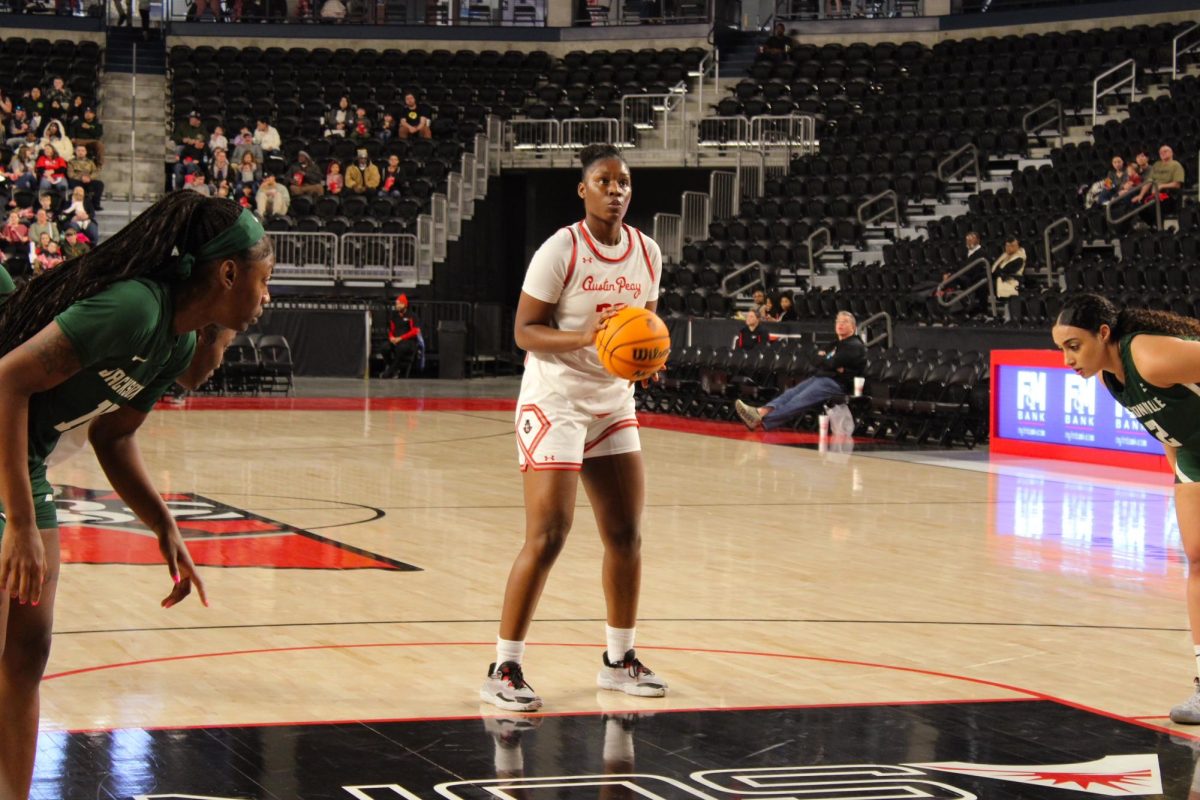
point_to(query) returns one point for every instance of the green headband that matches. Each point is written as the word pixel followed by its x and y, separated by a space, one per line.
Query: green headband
pixel 240 236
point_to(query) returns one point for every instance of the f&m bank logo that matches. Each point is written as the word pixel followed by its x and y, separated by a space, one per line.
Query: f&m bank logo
pixel 1079 401
pixel 1031 395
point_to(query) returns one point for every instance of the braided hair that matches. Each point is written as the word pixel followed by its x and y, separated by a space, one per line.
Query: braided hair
pixel 598 152
pixel 181 222
pixel 1090 311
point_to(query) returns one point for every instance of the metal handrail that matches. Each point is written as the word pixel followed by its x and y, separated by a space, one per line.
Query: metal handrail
pixel 972 164
pixel 668 233
pixel 761 280
pixel 886 336
pixel 894 210
pixel 1176 52
pixel 1050 251
pixel 958 297
pixel 1097 94
pixel 1056 104
pixel 1135 209
pixel 812 254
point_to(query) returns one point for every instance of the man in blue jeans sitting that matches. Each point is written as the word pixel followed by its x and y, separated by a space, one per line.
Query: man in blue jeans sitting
pixel 844 362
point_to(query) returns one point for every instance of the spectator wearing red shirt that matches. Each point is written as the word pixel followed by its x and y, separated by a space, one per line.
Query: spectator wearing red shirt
pixel 404 339
pixel 53 171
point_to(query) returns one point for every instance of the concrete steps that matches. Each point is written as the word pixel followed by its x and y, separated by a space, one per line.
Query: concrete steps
pixel 141 156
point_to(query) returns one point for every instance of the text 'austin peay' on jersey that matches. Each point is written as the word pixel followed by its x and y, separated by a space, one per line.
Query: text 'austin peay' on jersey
pixel 584 278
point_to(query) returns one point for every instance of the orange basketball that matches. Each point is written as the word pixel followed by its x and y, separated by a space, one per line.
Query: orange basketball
pixel 634 344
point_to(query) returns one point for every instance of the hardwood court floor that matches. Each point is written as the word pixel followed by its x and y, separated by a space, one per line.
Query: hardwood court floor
pixel 773 576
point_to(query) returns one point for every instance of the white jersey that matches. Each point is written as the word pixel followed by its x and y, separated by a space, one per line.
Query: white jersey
pixel 584 278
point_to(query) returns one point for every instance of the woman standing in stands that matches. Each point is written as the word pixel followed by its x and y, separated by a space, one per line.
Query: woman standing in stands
pixel 576 420
pixel 96 342
pixel 1150 362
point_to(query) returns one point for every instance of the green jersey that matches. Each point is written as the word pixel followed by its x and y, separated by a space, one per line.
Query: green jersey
pixel 130 357
pixel 7 286
pixel 1172 415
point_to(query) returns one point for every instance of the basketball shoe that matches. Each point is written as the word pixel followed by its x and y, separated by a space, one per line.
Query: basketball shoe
pixel 506 688
pixel 1188 712
pixel 748 413
pixel 631 676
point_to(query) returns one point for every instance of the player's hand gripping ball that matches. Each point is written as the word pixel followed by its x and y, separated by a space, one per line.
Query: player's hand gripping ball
pixel 634 344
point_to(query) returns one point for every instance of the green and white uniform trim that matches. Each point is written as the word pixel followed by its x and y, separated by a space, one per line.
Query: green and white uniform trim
pixel 130 356
pixel 1171 414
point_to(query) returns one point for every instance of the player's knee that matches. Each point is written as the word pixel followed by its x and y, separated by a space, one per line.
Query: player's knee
pixel 548 539
pixel 625 541
pixel 25 655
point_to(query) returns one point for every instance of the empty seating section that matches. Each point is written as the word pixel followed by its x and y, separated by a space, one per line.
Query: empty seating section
pixel 25 64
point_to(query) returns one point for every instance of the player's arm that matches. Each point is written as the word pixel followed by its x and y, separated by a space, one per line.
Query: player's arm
pixel 1165 361
pixel 113 438
pixel 534 332
pixel 38 365
pixel 1169 451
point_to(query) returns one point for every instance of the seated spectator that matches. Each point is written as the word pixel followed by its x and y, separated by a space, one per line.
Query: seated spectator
pixel 190 140
pixel 752 334
pixel 778 43
pixel 6 104
pixel 79 214
pixel 787 310
pixel 267 138
pixel 306 178
pixel 1133 179
pixel 333 11
pixel 14 231
pixel 249 173
pixel 74 113
pixel 198 183
pixel 81 173
pixel 48 202
pixel 219 169
pixel 360 127
pixel 342 112
pixel 834 378
pixel 272 199
pixel 22 169
pixel 760 302
pixel 18 125
pixel 47 255
pixel 59 97
pixel 245 196
pixel 404 339
pixel 55 136
pixel 1008 269
pixel 414 119
pixel 224 190
pixel 769 314
pixel 52 170
pixel 1165 177
pixel 362 177
pixel 392 184
pixel 244 143
pixel 88 131
pixel 1104 190
pixel 387 129
pixel 37 107
pixel 217 140
pixel 74 246
pixel 334 180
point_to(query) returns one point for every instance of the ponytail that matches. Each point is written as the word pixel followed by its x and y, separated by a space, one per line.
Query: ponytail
pixel 1090 311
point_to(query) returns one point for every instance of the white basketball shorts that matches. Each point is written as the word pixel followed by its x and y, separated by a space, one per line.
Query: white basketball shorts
pixel 552 433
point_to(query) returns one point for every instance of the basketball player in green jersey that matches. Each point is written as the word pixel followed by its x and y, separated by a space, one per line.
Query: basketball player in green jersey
pixel 1150 363
pixel 95 342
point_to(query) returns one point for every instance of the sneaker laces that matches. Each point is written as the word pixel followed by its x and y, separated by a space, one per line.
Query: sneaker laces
pixel 514 676
pixel 636 668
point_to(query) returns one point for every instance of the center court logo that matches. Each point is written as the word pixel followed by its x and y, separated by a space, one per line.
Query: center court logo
pixel 1031 395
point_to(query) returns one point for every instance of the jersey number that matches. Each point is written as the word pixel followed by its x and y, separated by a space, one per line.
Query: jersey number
pixel 602 307
pixel 1160 434
pixel 104 407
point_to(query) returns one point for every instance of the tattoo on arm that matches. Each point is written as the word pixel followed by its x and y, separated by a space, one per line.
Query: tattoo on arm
pixel 56 354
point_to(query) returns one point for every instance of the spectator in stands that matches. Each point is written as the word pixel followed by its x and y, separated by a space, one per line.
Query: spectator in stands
pixel 334 180
pixel 362 177
pixel 267 138
pixel 249 173
pixel 190 140
pixel 22 169
pixel 37 106
pixel 392 182
pixel 769 313
pixel 18 125
pixel 787 309
pixel 48 255
pixel 360 128
pixel 74 112
pixel 14 231
pixel 387 129
pixel 59 97
pixel 46 201
pixel 123 15
pixel 219 169
pixel 88 131
pixel 778 43
pixel 1165 177
pixel 272 199
pixel 1008 269
pixel 198 182
pixel 74 246
pixel 144 13
pixel 224 190
pixel 56 136
pixel 244 143
pixel 81 173
pixel 404 338
pixel 217 140
pixel 306 178
pixel 245 196
pixel 760 302
pixel 6 105
pixel 333 11
pixel 341 113
pixel 752 333
pixel 834 378
pixel 43 224
pixel 80 214
pixel 1104 190
pixel 414 119
pixel 52 170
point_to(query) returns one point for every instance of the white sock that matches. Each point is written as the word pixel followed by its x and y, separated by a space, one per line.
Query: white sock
pixel 1196 650
pixel 509 760
pixel 507 650
pixel 618 742
pixel 620 642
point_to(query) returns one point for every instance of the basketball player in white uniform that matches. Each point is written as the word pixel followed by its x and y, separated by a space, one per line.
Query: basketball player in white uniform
pixel 574 418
